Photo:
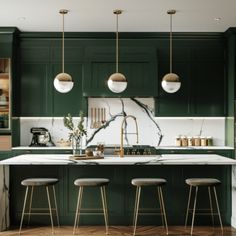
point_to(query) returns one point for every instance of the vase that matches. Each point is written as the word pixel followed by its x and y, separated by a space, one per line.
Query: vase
pixel 77 146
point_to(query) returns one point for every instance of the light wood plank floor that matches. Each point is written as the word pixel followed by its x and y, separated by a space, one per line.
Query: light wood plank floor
pixel 120 231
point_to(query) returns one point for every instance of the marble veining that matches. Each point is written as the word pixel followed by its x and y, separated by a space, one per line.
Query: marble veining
pixel 165 159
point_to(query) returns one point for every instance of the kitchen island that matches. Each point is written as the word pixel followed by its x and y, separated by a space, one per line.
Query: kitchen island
pixel 120 193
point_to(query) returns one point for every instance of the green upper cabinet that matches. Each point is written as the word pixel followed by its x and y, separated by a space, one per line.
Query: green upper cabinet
pixel 201 67
pixel 138 64
pixel 71 102
pixel 40 63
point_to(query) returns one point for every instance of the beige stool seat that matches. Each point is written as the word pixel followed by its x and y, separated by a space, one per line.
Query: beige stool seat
pixel 91 182
pixel 144 182
pixel 30 184
pixel 210 183
pixel 148 182
pixel 39 181
pixel 202 182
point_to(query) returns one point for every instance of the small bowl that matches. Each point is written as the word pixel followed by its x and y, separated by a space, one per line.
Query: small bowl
pixel 97 153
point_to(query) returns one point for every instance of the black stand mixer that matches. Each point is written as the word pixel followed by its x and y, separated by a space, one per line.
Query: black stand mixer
pixel 41 137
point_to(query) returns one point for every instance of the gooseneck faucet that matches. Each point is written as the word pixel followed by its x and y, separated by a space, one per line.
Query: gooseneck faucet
pixel 122 133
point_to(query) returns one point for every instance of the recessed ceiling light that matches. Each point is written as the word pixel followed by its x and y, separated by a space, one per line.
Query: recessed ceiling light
pixel 217 19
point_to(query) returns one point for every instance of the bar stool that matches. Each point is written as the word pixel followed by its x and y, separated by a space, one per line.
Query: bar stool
pixel 142 182
pixel 37 182
pixel 210 183
pixel 91 182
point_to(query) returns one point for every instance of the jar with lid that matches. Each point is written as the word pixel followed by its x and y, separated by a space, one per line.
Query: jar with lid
pixel 209 141
pixel 184 141
pixel 190 141
pixel 178 142
pixel 197 141
pixel 203 141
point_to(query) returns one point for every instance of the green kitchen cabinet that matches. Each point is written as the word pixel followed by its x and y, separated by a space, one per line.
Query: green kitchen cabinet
pixel 73 101
pixel 40 63
pixel 201 68
pixel 35 100
pixel 138 64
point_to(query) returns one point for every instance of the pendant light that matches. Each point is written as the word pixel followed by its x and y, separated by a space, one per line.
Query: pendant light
pixel 171 81
pixel 63 82
pixel 117 82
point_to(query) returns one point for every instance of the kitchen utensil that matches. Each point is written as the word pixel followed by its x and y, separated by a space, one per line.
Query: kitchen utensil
pixel 99 121
pixel 91 122
pixel 104 115
pixel 95 118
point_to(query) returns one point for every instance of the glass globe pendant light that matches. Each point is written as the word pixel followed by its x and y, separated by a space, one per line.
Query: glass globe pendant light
pixel 63 82
pixel 171 81
pixel 117 82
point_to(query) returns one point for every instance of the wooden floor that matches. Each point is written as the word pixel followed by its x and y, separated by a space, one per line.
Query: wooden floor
pixel 121 231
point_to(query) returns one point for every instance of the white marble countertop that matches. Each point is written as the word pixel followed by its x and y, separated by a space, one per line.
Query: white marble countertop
pixel 170 159
pixel 157 147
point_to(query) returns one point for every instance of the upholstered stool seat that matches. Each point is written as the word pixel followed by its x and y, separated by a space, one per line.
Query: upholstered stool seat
pixel 148 182
pixel 39 181
pixel 145 182
pixel 91 182
pixel 202 182
pixel 30 184
pixel 210 183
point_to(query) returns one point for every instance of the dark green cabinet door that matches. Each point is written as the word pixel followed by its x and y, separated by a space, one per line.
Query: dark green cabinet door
pixel 174 104
pixel 203 84
pixel 208 94
pixel 34 97
pixel 139 65
pixel 71 102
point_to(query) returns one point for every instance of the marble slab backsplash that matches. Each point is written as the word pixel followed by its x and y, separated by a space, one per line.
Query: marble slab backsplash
pixel 152 130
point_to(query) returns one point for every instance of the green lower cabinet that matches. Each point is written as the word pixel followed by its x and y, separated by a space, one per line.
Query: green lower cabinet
pixel 120 193
pixel 4 155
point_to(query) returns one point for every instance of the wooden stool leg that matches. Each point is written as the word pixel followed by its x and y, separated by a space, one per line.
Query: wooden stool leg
pixel 78 209
pixel 189 200
pixel 102 188
pixel 55 203
pixel 218 209
pixel 23 210
pixel 163 209
pixel 50 208
pixel 136 208
pixel 194 210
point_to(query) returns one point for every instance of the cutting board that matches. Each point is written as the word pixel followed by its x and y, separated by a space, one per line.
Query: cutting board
pixel 84 157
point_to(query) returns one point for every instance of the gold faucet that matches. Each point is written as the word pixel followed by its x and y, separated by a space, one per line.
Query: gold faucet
pixel 122 133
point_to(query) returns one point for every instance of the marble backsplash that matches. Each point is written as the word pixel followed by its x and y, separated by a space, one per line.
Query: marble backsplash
pixel 152 130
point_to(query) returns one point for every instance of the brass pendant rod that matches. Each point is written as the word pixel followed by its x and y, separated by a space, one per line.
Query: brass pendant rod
pixel 170 43
pixel 117 45
pixel 171 13
pixel 63 44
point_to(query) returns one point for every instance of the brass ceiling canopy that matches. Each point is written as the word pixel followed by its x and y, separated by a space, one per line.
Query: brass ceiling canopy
pixel 117 82
pixel 63 82
pixel 171 81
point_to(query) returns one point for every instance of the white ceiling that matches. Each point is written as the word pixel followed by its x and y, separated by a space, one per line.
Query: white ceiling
pixel 138 16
